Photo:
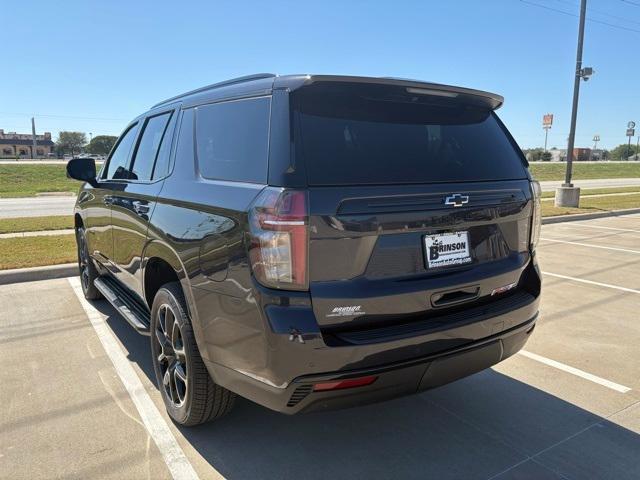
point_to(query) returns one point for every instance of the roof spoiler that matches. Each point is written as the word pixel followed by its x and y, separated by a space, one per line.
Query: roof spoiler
pixel 477 97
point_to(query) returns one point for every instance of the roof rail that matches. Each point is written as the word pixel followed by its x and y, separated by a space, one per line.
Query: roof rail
pixel 246 78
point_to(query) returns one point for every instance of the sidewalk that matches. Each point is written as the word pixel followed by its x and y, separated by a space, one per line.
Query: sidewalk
pixel 38 233
pixel 550 185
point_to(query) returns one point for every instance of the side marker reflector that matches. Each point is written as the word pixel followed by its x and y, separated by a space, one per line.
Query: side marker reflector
pixel 342 384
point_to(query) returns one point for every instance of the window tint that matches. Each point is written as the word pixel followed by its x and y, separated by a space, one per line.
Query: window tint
pixel 184 140
pixel 161 167
pixel 149 146
pixel 348 137
pixel 233 140
pixel 120 157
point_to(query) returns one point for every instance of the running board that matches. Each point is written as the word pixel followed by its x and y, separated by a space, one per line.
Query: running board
pixel 132 311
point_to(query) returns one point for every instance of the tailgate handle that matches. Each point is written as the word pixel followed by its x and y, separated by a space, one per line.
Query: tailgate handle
pixel 454 297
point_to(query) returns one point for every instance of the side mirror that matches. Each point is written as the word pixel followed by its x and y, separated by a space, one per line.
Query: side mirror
pixel 83 169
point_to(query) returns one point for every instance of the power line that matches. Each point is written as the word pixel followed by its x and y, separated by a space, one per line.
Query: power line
pixel 602 22
pixel 600 12
pixel 101 119
pixel 631 3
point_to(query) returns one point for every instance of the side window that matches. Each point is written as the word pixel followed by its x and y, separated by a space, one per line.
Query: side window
pixel 149 146
pixel 184 141
pixel 161 166
pixel 118 161
pixel 233 140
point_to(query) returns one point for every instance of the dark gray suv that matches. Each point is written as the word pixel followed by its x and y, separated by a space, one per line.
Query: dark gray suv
pixel 313 241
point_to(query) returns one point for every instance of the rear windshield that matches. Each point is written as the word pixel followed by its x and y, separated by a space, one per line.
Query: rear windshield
pixel 350 135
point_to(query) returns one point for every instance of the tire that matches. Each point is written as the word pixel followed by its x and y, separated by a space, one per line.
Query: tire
pixel 88 271
pixel 190 395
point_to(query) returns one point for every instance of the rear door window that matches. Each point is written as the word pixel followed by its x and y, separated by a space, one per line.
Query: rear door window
pixel 346 137
pixel 233 140
pixel 149 146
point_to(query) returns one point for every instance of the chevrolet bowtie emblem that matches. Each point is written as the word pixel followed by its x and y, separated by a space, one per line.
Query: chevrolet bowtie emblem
pixel 456 200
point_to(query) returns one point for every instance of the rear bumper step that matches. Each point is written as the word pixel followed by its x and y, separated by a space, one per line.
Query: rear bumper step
pixel 132 311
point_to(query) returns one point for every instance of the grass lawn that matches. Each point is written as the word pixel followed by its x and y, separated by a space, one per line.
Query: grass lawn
pixel 585 192
pixel 35 224
pixel 585 171
pixel 595 204
pixel 27 180
pixel 37 251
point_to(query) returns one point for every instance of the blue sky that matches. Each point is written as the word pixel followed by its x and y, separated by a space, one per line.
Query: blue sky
pixel 92 66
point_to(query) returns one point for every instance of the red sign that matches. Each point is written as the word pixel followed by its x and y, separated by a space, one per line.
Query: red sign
pixel 547 120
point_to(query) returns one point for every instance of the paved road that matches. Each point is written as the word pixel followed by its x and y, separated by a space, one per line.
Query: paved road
pixel 562 411
pixel 548 186
pixel 36 206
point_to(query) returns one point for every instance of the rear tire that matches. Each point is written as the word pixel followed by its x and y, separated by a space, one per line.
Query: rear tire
pixel 88 271
pixel 190 395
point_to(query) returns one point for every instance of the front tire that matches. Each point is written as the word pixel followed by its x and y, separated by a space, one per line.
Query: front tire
pixel 190 395
pixel 88 271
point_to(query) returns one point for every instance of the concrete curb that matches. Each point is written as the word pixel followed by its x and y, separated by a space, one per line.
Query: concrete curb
pixel 55 194
pixel 38 233
pixel 19 275
pixel 588 216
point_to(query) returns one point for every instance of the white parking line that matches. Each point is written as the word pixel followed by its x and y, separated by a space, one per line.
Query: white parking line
pixel 576 224
pixel 626 250
pixel 577 372
pixel 591 282
pixel 157 428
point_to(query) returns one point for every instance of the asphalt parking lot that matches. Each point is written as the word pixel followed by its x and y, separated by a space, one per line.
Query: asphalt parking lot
pixel 78 399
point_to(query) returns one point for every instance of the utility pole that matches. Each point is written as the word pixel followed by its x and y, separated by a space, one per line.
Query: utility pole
pixel 637 147
pixel 568 195
pixel 33 138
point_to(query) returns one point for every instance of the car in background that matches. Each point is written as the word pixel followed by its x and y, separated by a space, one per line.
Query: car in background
pixel 313 241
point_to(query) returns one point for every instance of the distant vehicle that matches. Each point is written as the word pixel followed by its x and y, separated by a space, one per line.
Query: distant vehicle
pixel 52 155
pixel 313 242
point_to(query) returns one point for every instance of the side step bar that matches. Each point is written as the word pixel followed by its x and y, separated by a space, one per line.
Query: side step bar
pixel 131 309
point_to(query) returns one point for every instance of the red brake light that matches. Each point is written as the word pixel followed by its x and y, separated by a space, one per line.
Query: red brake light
pixel 278 247
pixel 341 384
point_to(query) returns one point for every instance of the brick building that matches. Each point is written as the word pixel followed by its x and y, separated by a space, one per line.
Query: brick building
pixel 14 144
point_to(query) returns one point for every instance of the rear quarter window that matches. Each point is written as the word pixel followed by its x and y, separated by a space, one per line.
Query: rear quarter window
pixel 232 140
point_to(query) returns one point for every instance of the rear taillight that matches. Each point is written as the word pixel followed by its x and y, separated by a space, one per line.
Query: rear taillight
pixel 536 220
pixel 278 246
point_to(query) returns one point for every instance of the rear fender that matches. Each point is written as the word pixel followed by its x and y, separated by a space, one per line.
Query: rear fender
pixel 159 249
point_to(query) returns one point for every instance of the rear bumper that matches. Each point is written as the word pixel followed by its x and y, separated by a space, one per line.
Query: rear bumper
pixel 280 353
pixel 393 380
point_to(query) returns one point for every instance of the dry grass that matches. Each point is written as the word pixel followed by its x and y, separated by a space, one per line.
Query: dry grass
pixel 37 251
pixel 594 204
pixel 35 224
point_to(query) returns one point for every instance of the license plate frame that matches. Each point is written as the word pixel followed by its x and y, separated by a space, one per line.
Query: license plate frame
pixel 446 249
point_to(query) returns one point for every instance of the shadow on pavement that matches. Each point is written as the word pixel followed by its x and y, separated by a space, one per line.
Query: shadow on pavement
pixel 486 426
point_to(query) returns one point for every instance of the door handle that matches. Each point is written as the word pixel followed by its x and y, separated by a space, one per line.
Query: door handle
pixel 107 200
pixel 140 207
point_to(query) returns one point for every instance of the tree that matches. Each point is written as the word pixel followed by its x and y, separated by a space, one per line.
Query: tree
pixel 622 151
pixel 70 142
pixel 533 154
pixel 546 157
pixel 101 145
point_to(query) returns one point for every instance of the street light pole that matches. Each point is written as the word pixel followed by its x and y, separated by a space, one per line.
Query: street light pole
pixel 576 94
pixel 568 195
